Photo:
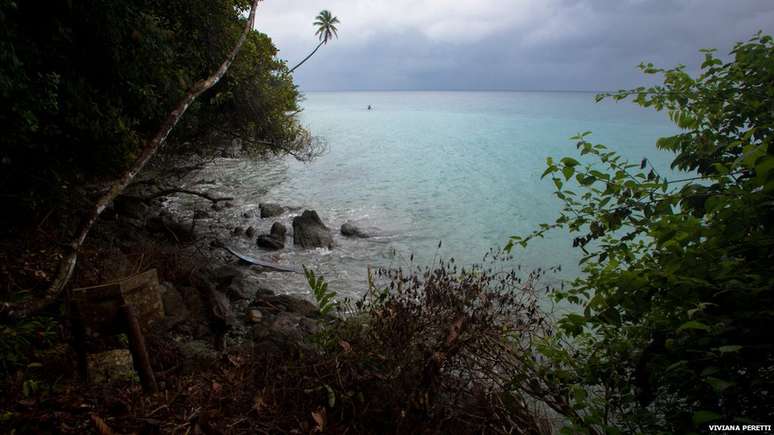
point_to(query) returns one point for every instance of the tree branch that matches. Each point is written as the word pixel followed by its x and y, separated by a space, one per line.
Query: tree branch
pixel 167 192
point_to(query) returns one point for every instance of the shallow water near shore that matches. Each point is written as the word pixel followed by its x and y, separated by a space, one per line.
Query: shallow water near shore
pixel 459 168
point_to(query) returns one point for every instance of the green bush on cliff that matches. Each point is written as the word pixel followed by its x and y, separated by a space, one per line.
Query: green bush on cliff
pixel 83 84
pixel 676 299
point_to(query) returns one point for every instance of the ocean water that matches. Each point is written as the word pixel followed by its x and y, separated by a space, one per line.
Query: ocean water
pixel 423 169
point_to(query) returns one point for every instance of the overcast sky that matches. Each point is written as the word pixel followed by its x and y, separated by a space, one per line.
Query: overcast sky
pixel 504 44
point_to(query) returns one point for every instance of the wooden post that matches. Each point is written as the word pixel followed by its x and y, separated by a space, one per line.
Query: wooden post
pixel 138 350
pixel 79 343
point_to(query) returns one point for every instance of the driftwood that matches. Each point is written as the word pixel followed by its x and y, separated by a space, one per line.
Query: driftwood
pixel 67 265
pixel 256 262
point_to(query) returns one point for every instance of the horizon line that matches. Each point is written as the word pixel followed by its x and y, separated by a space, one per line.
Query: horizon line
pixel 584 91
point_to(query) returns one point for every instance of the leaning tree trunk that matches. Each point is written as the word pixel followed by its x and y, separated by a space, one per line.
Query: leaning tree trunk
pixel 67 265
pixel 307 58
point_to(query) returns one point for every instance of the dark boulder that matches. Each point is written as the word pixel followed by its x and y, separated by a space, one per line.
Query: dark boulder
pixel 310 232
pixel 232 280
pixel 271 210
pixel 349 229
pixel 275 239
pixel 232 150
pixel 250 232
pixel 278 230
pixel 290 304
pixel 266 241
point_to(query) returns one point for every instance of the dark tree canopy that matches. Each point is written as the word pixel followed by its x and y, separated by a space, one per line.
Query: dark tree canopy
pixel 84 83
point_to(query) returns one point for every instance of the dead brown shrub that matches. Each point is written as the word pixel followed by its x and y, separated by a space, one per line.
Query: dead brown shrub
pixel 431 350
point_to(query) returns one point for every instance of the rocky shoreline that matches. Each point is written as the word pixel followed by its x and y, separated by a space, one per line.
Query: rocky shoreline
pixel 233 350
pixel 219 301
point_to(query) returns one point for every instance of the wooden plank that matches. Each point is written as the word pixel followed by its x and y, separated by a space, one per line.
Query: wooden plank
pixel 142 292
pixel 98 306
pixel 97 309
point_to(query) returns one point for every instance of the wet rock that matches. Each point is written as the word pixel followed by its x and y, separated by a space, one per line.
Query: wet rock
pixel 286 326
pixel 271 210
pixel 225 274
pixel 349 229
pixel 285 331
pixel 232 150
pixel 266 241
pixel 250 232
pixel 233 281
pixel 310 232
pixel 275 239
pixel 287 303
pixel 278 230
pixel 263 292
pixel 237 231
pixel 239 288
pixel 309 326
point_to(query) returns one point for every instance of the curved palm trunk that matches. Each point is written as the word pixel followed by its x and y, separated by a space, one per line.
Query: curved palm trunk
pixel 67 264
pixel 307 58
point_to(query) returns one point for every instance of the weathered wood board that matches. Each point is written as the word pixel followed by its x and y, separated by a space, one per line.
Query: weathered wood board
pixel 98 306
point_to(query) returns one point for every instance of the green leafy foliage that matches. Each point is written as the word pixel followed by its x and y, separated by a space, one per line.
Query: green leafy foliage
pixel 674 305
pixel 325 298
pixel 19 342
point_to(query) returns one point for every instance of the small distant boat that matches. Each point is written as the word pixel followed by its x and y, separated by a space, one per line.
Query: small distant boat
pixel 256 262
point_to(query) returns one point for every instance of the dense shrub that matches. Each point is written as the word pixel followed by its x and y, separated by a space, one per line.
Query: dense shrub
pixel 431 350
pixel 672 331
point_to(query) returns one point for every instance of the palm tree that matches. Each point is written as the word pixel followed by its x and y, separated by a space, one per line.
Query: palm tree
pixel 326 30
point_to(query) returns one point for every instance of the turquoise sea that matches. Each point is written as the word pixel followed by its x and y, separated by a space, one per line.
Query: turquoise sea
pixel 457 168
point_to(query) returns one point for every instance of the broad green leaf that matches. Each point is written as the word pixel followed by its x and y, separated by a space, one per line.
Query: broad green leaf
pixel 693 325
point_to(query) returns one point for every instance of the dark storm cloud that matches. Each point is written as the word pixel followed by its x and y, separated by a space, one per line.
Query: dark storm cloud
pixel 508 44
